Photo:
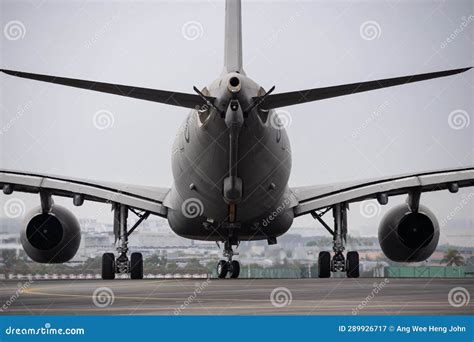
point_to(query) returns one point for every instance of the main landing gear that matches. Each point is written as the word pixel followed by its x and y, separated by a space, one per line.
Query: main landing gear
pixel 338 263
pixel 122 264
pixel 229 267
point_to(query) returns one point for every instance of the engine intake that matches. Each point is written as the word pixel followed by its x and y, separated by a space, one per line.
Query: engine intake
pixel 407 236
pixel 52 237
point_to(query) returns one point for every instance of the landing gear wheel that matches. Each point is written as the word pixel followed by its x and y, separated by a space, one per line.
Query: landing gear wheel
pixel 222 269
pixel 352 265
pixel 136 266
pixel 234 269
pixel 108 266
pixel 324 265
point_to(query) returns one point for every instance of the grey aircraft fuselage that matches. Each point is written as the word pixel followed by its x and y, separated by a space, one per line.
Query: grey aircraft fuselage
pixel 200 163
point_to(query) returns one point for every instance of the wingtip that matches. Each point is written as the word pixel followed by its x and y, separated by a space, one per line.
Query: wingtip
pixel 12 72
pixel 459 71
pixel 8 72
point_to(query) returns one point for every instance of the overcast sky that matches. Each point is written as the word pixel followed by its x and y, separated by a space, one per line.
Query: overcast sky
pixel 292 45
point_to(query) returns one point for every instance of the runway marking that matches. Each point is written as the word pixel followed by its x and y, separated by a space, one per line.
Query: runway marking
pixel 114 283
pixel 385 303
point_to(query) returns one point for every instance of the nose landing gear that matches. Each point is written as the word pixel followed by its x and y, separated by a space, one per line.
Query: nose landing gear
pixel 228 267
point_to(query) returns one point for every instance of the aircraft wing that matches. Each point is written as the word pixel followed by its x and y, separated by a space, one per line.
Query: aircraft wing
pixel 311 198
pixel 143 198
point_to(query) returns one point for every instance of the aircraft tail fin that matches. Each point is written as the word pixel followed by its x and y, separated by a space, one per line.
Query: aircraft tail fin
pixel 233 37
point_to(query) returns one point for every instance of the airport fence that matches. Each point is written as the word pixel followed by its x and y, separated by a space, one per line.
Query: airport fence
pixel 428 272
pixel 279 272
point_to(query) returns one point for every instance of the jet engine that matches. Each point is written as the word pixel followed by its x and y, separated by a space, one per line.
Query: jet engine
pixel 407 236
pixel 50 237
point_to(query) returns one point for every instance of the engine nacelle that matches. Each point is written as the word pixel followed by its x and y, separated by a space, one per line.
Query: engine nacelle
pixel 52 237
pixel 406 236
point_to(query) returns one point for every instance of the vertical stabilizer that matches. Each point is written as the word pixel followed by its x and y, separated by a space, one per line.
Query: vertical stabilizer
pixel 233 37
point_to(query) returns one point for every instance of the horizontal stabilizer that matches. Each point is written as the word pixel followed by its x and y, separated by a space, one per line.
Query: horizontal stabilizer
pixel 154 95
pixel 316 94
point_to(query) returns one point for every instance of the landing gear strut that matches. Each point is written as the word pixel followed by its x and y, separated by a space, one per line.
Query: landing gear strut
pixel 231 267
pixel 122 264
pixel 338 263
pixel 232 188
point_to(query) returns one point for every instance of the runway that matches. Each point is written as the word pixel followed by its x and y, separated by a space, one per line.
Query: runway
pixel 336 296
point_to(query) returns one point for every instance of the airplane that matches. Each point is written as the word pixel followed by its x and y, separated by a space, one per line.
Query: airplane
pixel 231 163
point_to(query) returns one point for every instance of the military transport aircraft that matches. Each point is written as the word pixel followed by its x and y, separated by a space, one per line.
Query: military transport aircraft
pixel 231 163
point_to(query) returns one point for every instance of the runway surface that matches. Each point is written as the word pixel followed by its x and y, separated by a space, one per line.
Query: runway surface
pixel 341 296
